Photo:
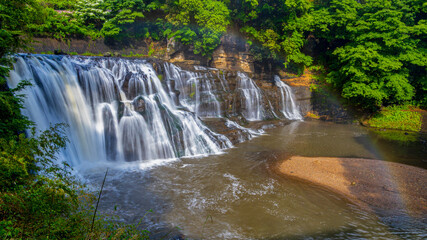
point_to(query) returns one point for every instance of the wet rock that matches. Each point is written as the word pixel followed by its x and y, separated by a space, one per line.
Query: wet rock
pixel 120 110
pixel 134 84
pixel 139 104
pixel 107 54
pixel 125 82
pixel 110 137
pixel 59 52
pixel 178 237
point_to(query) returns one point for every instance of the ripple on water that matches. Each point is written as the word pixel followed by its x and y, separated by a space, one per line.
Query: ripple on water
pixel 234 196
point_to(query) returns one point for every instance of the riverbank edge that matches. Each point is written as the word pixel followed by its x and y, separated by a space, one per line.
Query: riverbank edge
pixel 384 188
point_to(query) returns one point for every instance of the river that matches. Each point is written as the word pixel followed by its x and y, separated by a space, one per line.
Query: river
pixel 144 124
pixel 239 195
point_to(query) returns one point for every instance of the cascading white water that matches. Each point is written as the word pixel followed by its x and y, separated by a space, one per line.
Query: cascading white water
pixel 116 109
pixel 197 90
pixel 245 133
pixel 289 108
pixel 250 98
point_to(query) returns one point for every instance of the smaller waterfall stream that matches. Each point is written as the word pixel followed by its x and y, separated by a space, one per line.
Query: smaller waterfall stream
pixel 197 90
pixel 288 106
pixel 250 98
pixel 245 133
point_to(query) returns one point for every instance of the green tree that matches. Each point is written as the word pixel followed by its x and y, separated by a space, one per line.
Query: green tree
pixel 61 25
pixel 123 13
pixel 281 26
pixel 374 46
pixel 59 4
pixel 91 12
pixel 15 16
pixel 201 23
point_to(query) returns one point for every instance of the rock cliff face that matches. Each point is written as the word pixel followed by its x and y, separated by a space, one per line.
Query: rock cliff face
pixel 233 56
pixel 228 60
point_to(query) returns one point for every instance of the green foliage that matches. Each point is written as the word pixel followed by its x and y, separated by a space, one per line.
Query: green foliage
pixel 374 51
pixel 134 55
pixel 122 14
pixel 36 191
pixel 397 117
pixel 64 24
pixel 377 50
pixel 92 54
pixel 211 18
pixel 15 16
pixel 60 4
pixel 150 49
pixel 39 198
pixel 279 26
pixel 403 138
pixel 210 14
pixel 14 21
pixel 91 12
pixel 59 25
pixel 11 120
pixel 185 35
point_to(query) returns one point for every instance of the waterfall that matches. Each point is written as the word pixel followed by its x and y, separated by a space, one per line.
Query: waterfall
pixel 116 109
pixel 288 106
pixel 197 90
pixel 250 98
pixel 244 133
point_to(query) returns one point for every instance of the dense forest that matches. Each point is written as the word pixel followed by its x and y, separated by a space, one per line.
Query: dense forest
pixel 373 52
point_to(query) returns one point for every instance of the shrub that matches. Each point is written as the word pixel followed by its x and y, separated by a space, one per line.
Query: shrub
pixel 397 117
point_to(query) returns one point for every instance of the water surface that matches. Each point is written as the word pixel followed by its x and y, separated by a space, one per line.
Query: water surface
pixel 237 195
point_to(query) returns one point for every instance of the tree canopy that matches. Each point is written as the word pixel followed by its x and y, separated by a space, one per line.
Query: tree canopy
pixel 374 51
pixel 377 50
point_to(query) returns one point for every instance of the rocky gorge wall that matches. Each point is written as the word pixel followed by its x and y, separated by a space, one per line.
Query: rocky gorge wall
pixel 232 56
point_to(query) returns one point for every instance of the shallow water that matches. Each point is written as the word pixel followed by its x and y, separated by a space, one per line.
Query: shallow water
pixel 239 195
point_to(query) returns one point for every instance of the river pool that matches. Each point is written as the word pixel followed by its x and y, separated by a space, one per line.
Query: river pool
pixel 239 195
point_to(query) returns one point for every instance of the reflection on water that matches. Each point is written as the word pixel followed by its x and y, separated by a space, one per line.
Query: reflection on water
pixel 403 147
pixel 237 196
pixel 322 139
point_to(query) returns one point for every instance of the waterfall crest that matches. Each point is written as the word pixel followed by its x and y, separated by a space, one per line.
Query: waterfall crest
pixel 116 109
pixel 288 106
pixel 250 98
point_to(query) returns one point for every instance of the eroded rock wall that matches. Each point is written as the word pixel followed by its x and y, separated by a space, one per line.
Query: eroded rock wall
pixel 230 57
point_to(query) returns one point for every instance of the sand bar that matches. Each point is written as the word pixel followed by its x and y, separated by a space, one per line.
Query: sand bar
pixel 383 187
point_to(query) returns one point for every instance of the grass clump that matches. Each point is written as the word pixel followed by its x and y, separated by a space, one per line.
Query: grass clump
pixel 397 117
pixel 134 55
pixel 89 54
pixel 312 115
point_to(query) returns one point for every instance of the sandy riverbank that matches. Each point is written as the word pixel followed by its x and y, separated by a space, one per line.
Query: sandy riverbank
pixel 383 187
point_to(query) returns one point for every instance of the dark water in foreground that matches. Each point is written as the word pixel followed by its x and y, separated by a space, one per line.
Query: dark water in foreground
pixel 238 195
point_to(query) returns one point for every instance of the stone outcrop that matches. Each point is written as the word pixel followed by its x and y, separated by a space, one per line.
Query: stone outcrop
pixel 231 56
pixel 98 47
